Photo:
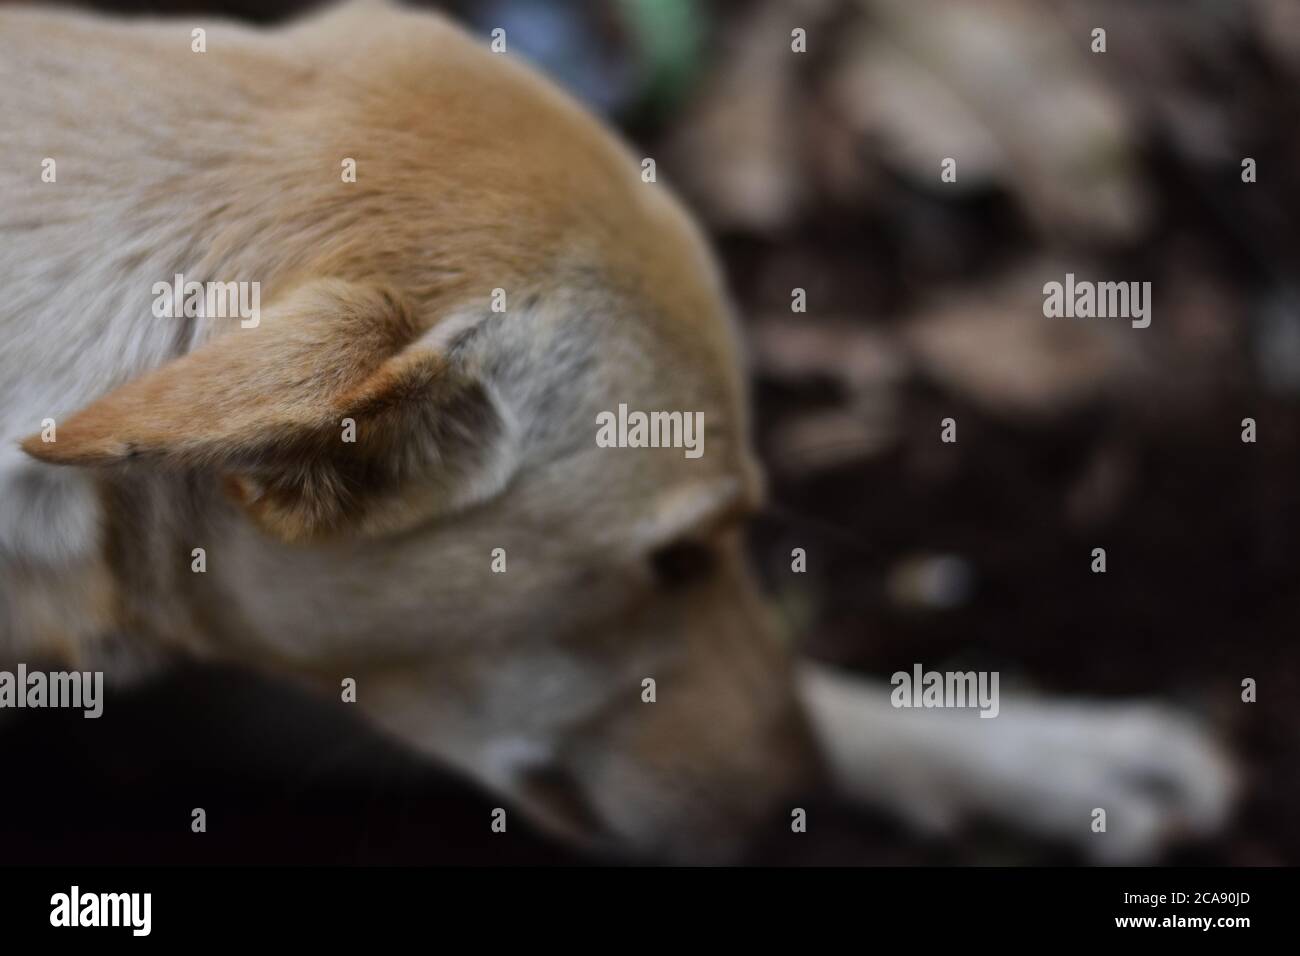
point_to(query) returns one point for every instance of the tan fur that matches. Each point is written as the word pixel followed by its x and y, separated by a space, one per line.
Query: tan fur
pixel 266 406
pixel 372 559
pixel 475 430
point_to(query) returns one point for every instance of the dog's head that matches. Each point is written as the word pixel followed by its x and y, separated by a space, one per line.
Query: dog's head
pixel 449 495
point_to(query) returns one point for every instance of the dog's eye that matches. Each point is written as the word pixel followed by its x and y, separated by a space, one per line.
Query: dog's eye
pixel 681 563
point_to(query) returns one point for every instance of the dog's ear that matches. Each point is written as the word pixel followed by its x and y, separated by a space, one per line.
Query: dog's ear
pixel 332 414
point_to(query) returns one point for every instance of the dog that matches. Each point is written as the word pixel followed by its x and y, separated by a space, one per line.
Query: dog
pixel 390 475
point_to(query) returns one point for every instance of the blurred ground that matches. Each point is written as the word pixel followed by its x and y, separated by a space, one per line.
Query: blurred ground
pixel 925 302
pixel 820 171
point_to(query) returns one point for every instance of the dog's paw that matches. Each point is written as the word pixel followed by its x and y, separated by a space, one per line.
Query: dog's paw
pixel 1043 767
pixel 1119 783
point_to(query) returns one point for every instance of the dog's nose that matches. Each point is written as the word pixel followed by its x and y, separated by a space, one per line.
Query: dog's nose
pixel 698 797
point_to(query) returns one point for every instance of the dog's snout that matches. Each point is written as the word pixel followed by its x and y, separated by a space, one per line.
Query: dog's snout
pixel 698 780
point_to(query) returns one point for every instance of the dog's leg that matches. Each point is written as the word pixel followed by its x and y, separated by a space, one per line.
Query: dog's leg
pixel 1042 767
